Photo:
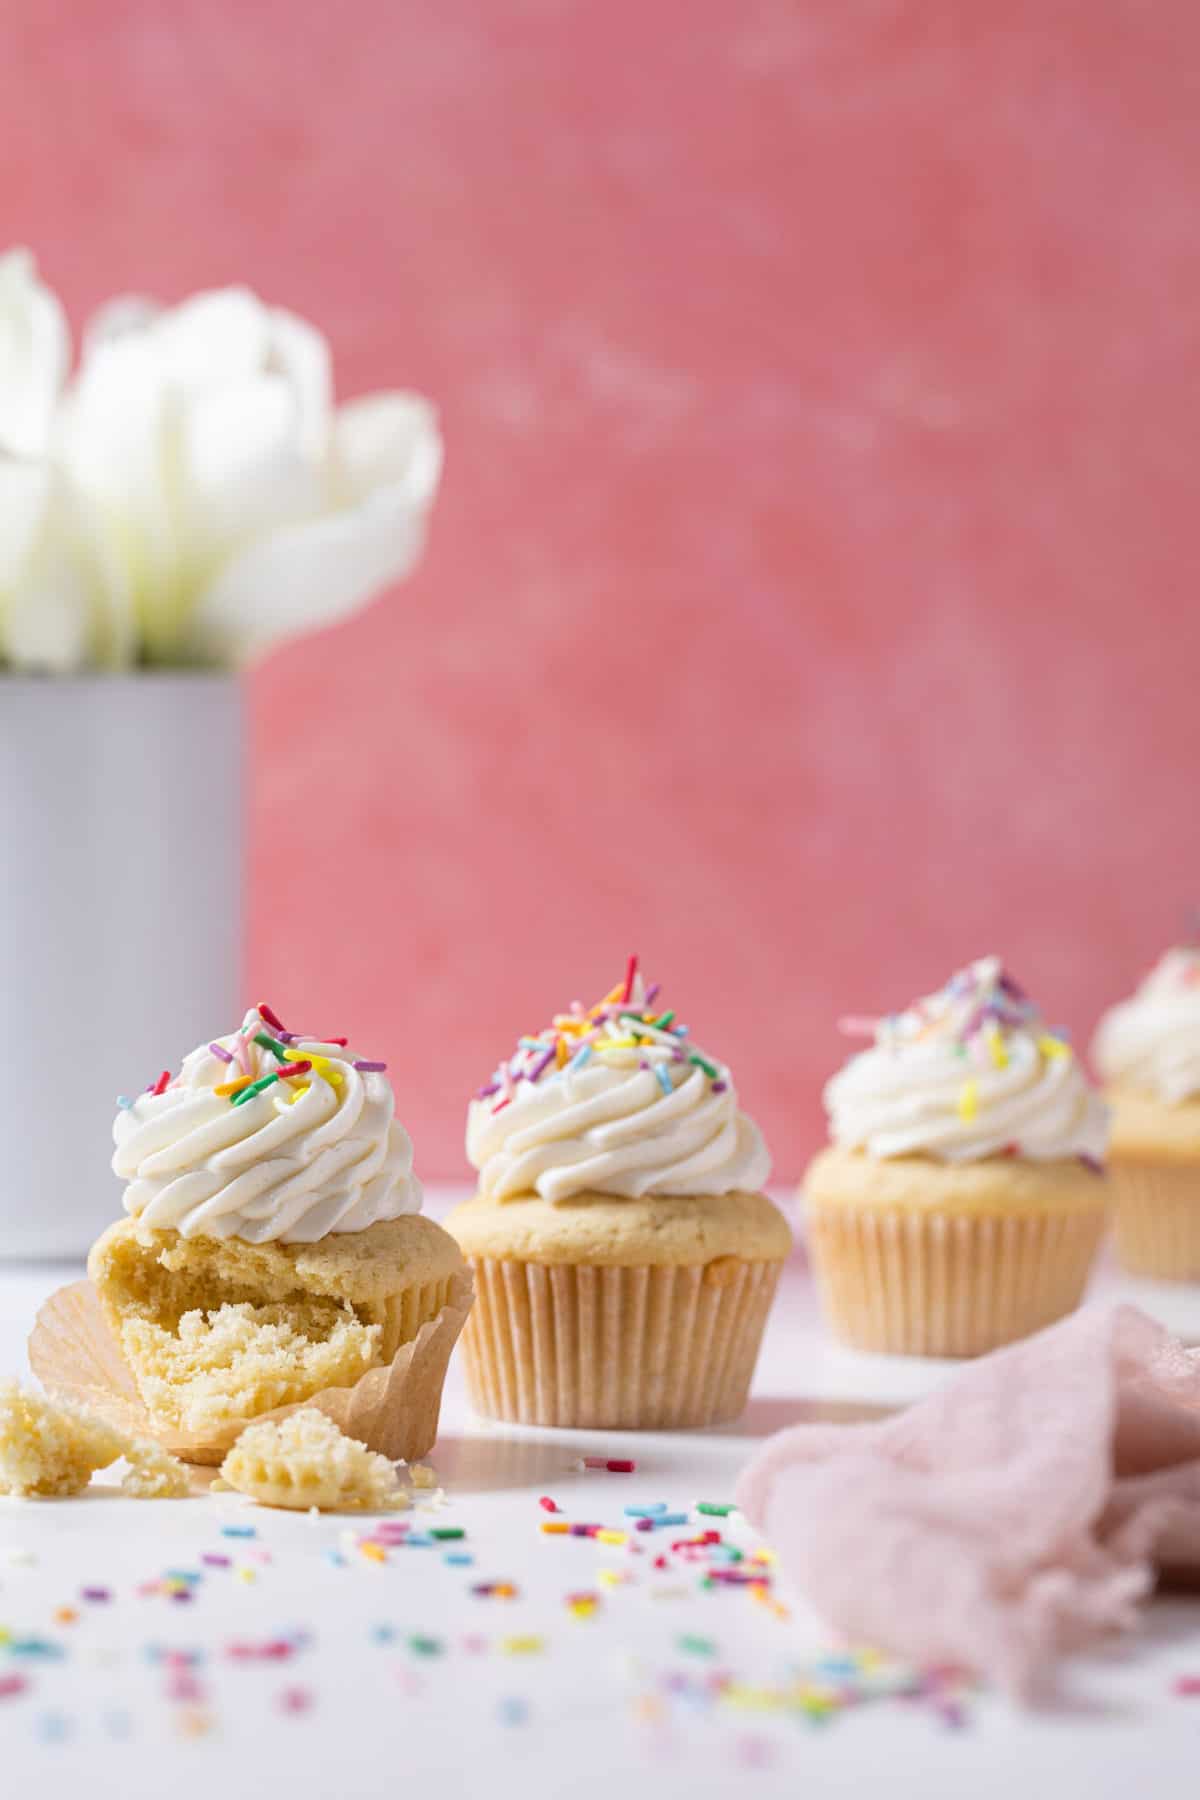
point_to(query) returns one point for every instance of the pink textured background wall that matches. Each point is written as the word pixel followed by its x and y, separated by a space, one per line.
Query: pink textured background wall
pixel 812 601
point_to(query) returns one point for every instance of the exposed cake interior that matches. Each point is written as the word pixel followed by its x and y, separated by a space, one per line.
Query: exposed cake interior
pixel 219 1330
pixel 304 1461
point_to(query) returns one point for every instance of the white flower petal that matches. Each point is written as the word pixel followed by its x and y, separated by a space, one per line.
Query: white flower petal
pixel 241 470
pixel 34 348
pixel 299 351
pixel 309 575
pixel 24 493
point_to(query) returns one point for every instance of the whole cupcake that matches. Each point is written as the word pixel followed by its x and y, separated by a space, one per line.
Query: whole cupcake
pixel 962 1200
pixel 1148 1052
pixel 274 1249
pixel 624 1258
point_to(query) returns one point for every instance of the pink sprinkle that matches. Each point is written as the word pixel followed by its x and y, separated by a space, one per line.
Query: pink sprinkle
pixel 474 1645
pixel 215 1560
pixel 547 1504
pixel 12 1684
pixel 856 1025
pixel 296 1700
pixel 221 1053
pixel 370 1068
pixel 184 1687
pixel 1187 1686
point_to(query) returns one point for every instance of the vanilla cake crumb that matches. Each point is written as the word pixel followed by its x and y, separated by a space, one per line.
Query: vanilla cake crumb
pixel 304 1461
pixel 53 1448
pixel 236 1360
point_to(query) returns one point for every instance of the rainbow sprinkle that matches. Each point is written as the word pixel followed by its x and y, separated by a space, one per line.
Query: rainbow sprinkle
pixel 622 1030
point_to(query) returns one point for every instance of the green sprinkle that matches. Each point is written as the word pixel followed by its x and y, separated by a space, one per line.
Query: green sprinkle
pixel 696 1646
pixel 273 1044
pixel 442 1532
pixel 425 1646
pixel 663 1020
pixel 702 1062
pixel 256 1087
pixel 716 1509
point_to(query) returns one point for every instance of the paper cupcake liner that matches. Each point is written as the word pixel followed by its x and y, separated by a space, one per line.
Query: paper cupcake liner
pixel 628 1349
pixel 1156 1221
pixel 393 1409
pixel 947 1284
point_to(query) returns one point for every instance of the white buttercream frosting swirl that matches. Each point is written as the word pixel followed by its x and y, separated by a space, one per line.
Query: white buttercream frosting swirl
pixel 1151 1042
pixel 969 1072
pixel 616 1100
pixel 303 1157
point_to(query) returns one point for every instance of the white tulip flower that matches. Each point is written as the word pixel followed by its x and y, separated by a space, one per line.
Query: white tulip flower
pixel 244 508
pixel 192 496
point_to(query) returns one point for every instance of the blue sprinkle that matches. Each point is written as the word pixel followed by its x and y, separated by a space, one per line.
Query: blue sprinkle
pixel 336 1558
pixel 664 1080
pixel 124 1102
pixel 38 1647
pixel 459 1559
pixel 645 1512
pixel 239 1531
pixel 512 1711
pixel 420 1538
pixel 582 1055
pixel 383 1634
pixel 53 1727
pixel 191 1576
pixel 671 1518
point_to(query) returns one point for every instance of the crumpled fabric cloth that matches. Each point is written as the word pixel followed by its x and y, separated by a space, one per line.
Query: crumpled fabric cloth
pixel 1018 1513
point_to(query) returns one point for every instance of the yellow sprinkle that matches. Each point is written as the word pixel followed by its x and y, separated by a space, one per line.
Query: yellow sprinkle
pixel 295 1089
pixel 1051 1047
pixel 625 1043
pixel 612 1537
pixel 522 1646
pixel 233 1087
pixel 561 1053
pixel 996 1045
pixel 968 1101
pixel 322 1065
pixel 611 1577
pixel 583 1609
pixel 762 1556
pixel 555 1527
pixel 373 1552
pixel 245 1574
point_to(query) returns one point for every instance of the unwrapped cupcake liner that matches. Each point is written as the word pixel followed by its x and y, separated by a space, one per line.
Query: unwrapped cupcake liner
pixel 393 1409
pixel 1156 1220
pixel 932 1283
pixel 648 1348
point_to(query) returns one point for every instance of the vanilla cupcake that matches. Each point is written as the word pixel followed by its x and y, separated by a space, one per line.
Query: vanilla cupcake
pixel 274 1249
pixel 624 1258
pixel 963 1199
pixel 1148 1052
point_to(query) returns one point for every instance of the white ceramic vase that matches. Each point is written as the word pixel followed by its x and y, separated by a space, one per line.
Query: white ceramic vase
pixel 120 922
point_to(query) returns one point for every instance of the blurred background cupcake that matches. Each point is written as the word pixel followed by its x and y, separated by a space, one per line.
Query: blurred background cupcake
pixel 1147 1051
pixel 962 1200
pixel 624 1258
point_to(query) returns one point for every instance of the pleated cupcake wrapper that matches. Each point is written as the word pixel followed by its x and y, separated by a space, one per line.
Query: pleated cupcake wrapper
pixel 1157 1219
pixel 947 1284
pixel 615 1348
pixel 393 1409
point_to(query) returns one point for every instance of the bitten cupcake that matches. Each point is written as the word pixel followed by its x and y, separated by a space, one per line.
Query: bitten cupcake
pixel 1148 1052
pixel 962 1201
pixel 624 1258
pixel 274 1251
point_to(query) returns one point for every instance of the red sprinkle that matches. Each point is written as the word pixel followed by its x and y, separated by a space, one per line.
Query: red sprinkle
pixel 630 972
pixel 288 1070
pixel 547 1504
pixel 161 1084
pixel 272 1018
pixel 295 1700
pixel 616 1465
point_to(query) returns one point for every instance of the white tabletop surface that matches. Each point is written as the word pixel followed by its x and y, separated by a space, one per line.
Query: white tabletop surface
pixel 620 1701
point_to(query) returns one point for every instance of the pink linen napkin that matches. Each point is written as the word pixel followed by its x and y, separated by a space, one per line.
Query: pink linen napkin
pixel 1017 1513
